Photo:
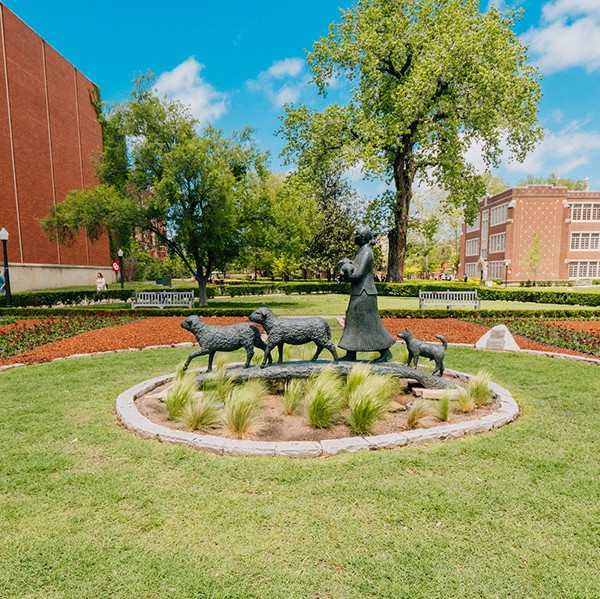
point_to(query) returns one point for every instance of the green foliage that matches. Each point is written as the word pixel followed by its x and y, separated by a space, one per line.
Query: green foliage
pixel 359 374
pixel 415 103
pixel 533 255
pixel 444 408
pixel 242 409
pixel 419 415
pixel 200 413
pixel 292 396
pixel 464 401
pixel 323 400
pixel 369 400
pixel 553 179
pixel 180 393
pixel 220 385
pixel 479 389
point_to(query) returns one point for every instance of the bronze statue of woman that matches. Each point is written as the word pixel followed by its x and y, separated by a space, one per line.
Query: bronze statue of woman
pixel 363 330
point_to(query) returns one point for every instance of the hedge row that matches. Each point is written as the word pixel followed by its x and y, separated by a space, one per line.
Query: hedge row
pixel 407 289
pixel 572 314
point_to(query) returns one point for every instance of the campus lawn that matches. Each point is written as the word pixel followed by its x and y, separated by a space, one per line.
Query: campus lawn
pixel 88 509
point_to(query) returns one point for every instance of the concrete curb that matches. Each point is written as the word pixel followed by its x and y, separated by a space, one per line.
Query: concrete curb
pixel 131 418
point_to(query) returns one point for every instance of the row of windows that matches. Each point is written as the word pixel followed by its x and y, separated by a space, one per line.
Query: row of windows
pixel 497 242
pixel 471 270
pixel 585 212
pixel 472 248
pixel 475 226
pixel 585 241
pixel 584 269
pixel 495 270
pixel 498 214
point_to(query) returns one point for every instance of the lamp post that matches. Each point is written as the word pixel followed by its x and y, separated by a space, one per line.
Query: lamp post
pixel 506 269
pixel 120 254
pixel 4 238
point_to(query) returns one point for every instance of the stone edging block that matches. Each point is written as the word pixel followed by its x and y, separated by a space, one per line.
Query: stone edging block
pixel 132 419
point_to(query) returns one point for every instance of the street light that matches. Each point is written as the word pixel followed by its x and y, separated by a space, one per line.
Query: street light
pixel 120 254
pixel 4 239
pixel 506 263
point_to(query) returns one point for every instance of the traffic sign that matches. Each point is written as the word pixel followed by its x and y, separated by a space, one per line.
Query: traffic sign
pixel 116 267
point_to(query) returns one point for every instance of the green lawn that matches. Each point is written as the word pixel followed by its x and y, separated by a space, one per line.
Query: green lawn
pixel 88 509
pixel 335 305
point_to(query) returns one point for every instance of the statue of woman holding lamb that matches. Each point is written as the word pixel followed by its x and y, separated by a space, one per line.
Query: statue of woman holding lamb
pixel 363 330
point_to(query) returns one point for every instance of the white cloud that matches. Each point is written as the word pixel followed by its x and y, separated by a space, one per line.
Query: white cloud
pixel 283 82
pixel 185 84
pixel 560 152
pixel 569 36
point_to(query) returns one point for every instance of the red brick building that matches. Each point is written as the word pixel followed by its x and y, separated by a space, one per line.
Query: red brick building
pixel 566 222
pixel 49 135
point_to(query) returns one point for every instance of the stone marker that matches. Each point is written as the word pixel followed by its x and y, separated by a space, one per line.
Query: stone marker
pixel 499 339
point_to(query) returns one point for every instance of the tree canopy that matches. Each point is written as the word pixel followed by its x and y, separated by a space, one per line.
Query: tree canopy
pixel 427 79
pixel 553 179
pixel 189 188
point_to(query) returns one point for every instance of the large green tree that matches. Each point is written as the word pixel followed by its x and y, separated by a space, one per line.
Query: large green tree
pixel 427 79
pixel 189 189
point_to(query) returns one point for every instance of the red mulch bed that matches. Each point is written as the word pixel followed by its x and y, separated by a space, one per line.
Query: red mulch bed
pixel 166 330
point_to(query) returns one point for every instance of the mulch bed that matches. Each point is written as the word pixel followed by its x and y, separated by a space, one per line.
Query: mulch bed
pixel 166 330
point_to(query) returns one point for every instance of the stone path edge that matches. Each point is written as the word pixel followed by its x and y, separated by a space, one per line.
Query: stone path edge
pixel 133 420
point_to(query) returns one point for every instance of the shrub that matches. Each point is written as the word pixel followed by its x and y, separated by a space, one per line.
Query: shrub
pixel 323 400
pixel 242 409
pixel 200 413
pixel 419 415
pixel 479 389
pixel 180 394
pixel 292 396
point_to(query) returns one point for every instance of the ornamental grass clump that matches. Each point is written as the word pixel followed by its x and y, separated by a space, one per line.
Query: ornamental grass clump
pixel 219 385
pixel 479 389
pixel 180 394
pixel 359 373
pixel 241 413
pixel 292 396
pixel 464 401
pixel 201 413
pixel 324 399
pixel 419 415
pixel 444 408
pixel 369 401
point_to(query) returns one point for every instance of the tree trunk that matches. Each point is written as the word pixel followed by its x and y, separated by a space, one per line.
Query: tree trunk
pixel 404 172
pixel 202 296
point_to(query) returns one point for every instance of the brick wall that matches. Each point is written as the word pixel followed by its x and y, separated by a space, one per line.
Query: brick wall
pixel 49 135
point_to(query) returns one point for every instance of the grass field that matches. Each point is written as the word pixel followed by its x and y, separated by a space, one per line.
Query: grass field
pixel 89 510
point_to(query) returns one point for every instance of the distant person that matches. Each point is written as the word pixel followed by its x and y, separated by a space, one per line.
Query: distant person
pixel 465 278
pixel 101 283
pixel 2 284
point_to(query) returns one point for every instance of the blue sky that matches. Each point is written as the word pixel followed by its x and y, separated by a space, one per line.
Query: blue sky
pixel 237 62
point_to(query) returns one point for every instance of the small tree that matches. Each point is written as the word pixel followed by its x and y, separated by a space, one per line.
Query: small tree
pixel 533 256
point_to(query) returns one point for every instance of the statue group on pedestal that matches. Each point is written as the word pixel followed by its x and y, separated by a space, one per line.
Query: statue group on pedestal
pixel 363 329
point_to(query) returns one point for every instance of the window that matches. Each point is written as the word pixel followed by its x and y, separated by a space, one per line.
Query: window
pixel 495 270
pixel 585 241
pixel 497 242
pixel 472 248
pixel 474 226
pixel 589 269
pixel 498 215
pixel 585 212
pixel 471 270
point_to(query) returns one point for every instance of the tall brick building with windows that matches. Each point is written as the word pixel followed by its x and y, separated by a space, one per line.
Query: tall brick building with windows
pixel 568 225
pixel 49 135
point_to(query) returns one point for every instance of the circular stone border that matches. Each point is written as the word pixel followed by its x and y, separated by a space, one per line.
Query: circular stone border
pixel 133 420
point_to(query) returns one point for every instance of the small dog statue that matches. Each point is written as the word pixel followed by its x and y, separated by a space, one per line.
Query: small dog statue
pixel 417 348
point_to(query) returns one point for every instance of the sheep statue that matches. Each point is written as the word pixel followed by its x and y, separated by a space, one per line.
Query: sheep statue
pixel 295 331
pixel 226 338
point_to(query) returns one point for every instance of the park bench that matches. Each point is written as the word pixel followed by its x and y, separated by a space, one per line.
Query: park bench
pixel 163 299
pixel 450 299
